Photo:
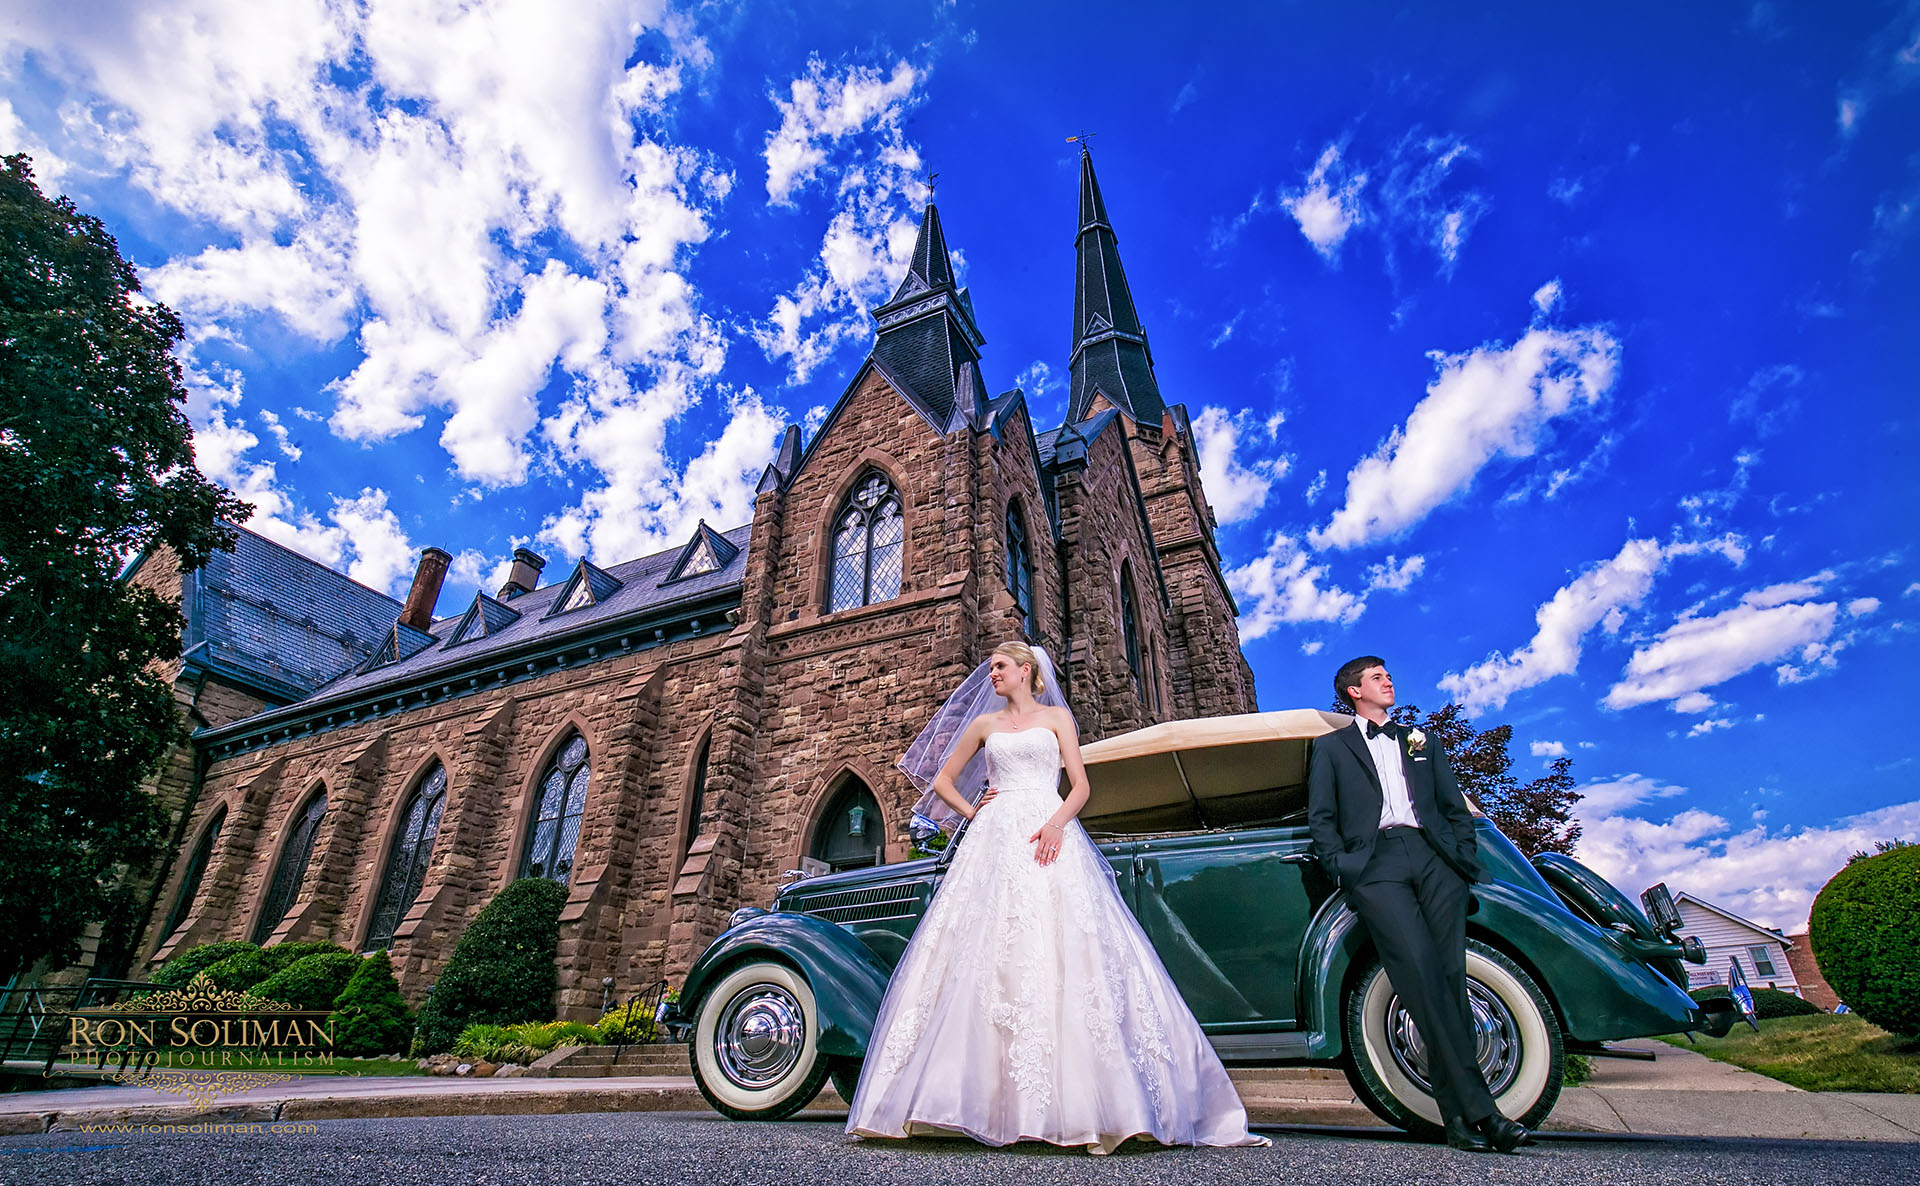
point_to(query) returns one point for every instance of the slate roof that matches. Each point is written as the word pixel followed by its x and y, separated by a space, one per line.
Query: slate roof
pixel 928 344
pixel 271 618
pixel 1110 352
pixel 642 589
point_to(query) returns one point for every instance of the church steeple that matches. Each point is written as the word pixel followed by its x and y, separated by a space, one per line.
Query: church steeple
pixel 928 342
pixel 1110 351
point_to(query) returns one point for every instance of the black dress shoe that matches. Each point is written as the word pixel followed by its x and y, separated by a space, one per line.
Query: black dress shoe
pixel 1461 1136
pixel 1503 1134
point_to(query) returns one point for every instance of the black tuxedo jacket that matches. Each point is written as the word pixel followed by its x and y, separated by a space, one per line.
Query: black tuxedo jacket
pixel 1344 800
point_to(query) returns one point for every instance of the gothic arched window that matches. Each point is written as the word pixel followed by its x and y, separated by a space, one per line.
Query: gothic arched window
pixel 407 863
pixel 563 800
pixel 696 797
pixel 867 537
pixel 1130 628
pixel 293 867
pixel 850 833
pixel 190 879
pixel 1019 567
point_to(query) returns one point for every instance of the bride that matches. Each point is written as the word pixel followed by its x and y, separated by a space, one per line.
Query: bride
pixel 1029 1004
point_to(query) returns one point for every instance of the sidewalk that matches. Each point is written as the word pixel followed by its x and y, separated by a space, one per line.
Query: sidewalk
pixel 1680 1094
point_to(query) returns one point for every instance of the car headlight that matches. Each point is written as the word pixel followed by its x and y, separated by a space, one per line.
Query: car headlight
pixel 744 914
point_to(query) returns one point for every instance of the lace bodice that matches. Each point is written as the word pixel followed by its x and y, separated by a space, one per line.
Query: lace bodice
pixel 1024 758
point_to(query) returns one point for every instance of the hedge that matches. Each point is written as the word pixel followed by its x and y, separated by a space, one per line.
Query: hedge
pixel 370 1016
pixel 1767 1002
pixel 502 971
pixel 311 982
pixel 184 966
pixel 1866 940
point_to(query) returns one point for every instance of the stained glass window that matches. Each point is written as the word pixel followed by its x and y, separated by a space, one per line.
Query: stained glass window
pixel 1130 629
pixel 293 868
pixel 867 539
pixel 1019 567
pixel 696 800
pixel 190 879
pixel 556 829
pixel 407 863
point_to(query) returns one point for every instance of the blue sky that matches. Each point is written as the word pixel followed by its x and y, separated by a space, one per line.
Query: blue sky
pixel 1565 358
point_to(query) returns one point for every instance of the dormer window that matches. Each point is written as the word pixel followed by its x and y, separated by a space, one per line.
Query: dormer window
pixel 484 617
pixel 708 551
pixel 588 586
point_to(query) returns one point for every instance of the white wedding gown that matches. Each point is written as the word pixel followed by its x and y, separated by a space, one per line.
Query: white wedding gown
pixel 1030 1005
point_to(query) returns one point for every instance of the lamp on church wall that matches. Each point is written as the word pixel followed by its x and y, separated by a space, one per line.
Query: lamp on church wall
pixel 857 822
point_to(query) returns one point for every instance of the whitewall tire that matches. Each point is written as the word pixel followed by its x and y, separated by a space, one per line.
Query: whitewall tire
pixel 1520 1047
pixel 756 1043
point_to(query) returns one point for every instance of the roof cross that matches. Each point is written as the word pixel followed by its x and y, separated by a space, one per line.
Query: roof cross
pixel 929 179
pixel 1082 139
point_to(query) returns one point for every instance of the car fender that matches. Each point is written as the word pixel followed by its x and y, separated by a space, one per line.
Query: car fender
pixel 1600 993
pixel 848 981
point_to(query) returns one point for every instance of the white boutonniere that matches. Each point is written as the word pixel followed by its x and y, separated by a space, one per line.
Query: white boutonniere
pixel 1416 741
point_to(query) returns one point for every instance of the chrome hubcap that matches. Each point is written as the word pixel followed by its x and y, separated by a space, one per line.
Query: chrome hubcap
pixel 760 1036
pixel 1496 1040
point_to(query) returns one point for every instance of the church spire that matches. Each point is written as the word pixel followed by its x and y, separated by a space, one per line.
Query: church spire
pixel 1110 351
pixel 928 339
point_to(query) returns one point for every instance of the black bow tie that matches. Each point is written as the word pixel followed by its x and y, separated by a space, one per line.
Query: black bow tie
pixel 1374 730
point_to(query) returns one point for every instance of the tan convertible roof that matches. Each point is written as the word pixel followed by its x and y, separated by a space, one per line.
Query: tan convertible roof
pixel 1202 772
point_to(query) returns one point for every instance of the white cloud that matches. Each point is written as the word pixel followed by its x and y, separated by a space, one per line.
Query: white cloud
pixel 1547 297
pixel 1285 586
pixel 1311 648
pixel 1547 749
pixel 1418 200
pixel 822 109
pixel 857 117
pixel 1694 703
pixel 1328 205
pixel 1484 403
pixel 1237 488
pixel 1770 877
pixel 1605 797
pixel 1703 727
pixel 1394 574
pixel 1860 607
pixel 1600 597
pixel 1696 653
pixel 643 505
pixel 396 176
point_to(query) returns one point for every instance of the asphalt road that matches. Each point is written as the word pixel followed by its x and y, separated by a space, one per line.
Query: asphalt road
pixel 665 1149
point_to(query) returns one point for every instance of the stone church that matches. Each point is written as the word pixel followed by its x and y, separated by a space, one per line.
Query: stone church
pixel 668 735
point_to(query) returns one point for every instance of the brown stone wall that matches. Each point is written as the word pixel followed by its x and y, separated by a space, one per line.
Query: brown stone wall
pixel 495 747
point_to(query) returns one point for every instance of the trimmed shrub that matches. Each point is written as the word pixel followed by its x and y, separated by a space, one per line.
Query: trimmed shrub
pixel 184 966
pixel 494 1043
pixel 1767 1002
pixel 1864 937
pixel 311 982
pixel 284 955
pixel 370 1016
pixel 502 971
pixel 618 1028
pixel 240 971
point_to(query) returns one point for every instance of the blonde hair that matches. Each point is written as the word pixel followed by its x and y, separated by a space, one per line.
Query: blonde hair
pixel 1020 652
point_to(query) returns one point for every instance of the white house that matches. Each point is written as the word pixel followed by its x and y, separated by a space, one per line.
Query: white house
pixel 1762 952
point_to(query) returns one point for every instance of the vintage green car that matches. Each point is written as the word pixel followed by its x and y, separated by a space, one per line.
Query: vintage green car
pixel 1203 822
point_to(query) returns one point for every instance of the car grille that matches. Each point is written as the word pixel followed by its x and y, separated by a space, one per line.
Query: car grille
pixel 862 905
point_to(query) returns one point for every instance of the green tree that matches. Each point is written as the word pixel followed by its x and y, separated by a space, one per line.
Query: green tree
pixel 1537 815
pixel 1862 931
pixel 370 1016
pixel 96 466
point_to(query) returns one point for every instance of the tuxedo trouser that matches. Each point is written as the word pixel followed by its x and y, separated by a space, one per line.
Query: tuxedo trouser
pixel 1415 907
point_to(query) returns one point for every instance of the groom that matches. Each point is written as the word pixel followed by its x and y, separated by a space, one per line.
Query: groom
pixel 1389 823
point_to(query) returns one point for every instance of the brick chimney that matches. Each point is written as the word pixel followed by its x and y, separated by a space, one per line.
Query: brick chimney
pixel 524 575
pixel 426 589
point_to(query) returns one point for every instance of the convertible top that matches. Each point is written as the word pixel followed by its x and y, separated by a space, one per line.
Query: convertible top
pixel 1205 772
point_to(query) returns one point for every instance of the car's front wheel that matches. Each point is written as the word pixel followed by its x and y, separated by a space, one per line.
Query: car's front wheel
pixel 756 1043
pixel 1518 1043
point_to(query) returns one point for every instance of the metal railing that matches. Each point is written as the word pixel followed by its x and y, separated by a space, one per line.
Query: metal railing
pixel 33 1020
pixel 639 1015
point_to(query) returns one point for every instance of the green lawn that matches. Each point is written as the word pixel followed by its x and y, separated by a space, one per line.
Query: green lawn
pixel 1824 1053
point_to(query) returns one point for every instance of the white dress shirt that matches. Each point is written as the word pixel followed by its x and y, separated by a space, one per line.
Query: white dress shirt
pixel 1396 805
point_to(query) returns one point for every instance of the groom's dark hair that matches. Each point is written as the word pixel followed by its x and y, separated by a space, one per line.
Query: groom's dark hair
pixel 1349 676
